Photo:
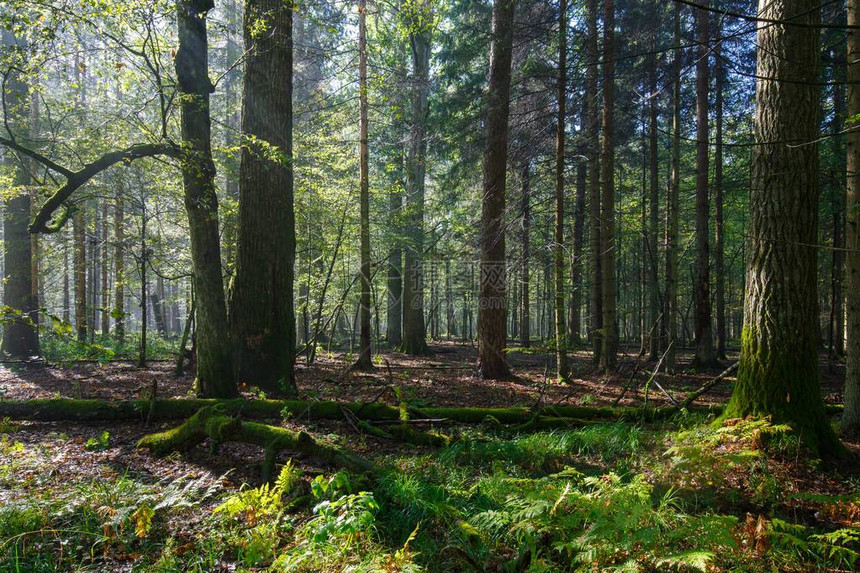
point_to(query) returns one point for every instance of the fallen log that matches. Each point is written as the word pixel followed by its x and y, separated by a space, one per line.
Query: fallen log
pixel 211 422
pixel 707 386
pixel 67 409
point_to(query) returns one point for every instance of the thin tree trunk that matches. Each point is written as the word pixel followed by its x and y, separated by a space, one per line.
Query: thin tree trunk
pixel 653 202
pixel 837 192
pixel 119 266
pixel 105 291
pixel 525 270
pixel 778 375
pixel 214 364
pixel 492 335
pixel 719 236
pixel 704 357
pixel 670 310
pixel 592 126
pixel 608 355
pixel 80 268
pixel 558 242
pixel 394 317
pixel 574 321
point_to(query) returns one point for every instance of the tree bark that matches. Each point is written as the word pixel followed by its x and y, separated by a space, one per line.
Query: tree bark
pixel 262 320
pixel 119 265
pixel 592 126
pixel 608 354
pixel 105 254
pixel 851 415
pixel 778 373
pixel 414 329
pixel 364 361
pixel 719 225
pixel 492 331
pixel 558 242
pixel 20 330
pixel 574 321
pixel 525 270
pixel 214 364
pixel 80 270
pixel 670 309
pixel 653 201
pixel 704 357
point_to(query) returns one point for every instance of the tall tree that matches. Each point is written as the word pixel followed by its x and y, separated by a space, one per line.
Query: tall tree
pixel 364 361
pixel 492 331
pixel 609 352
pixel 214 364
pixel 558 242
pixel 704 356
pixel 418 19
pixel 670 308
pixel 592 127
pixel 20 333
pixel 778 373
pixel 851 413
pixel 719 223
pixel 119 264
pixel 525 283
pixel 650 262
pixel 262 320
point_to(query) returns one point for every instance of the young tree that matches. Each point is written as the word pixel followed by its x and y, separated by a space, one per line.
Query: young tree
pixel 262 320
pixel 558 243
pixel 215 377
pixel 851 413
pixel 609 352
pixel 778 373
pixel 492 331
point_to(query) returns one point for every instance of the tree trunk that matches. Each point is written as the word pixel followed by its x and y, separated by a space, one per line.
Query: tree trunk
pixel 80 268
pixel 608 354
pixel 394 317
pixel 592 126
pixel 670 309
pixel 558 242
pixel 214 365
pixel 851 415
pixel 525 270
pixel 492 332
pixel 119 266
pixel 364 361
pixel 704 357
pixel 20 332
pixel 574 320
pixel 105 291
pixel 778 374
pixel 837 192
pixel 414 329
pixel 653 203
pixel 719 236
pixel 262 320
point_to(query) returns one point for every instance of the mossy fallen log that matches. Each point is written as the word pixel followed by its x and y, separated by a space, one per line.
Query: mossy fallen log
pixel 211 422
pixel 67 409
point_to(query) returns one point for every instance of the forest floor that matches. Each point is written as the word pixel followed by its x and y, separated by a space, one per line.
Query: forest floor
pixel 81 496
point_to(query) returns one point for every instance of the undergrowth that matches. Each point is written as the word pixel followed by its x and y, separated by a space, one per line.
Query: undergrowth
pixel 613 496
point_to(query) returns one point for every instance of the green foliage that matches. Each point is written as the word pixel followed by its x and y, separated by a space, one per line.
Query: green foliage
pixel 97 443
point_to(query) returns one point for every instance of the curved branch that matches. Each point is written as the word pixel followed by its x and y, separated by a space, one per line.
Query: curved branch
pixel 42 222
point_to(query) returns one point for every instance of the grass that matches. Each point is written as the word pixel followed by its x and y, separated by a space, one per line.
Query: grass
pixel 613 496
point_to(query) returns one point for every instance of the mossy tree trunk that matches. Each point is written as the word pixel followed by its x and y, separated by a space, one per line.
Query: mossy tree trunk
pixel 778 373
pixel 262 319
pixel 214 364
pixel 492 319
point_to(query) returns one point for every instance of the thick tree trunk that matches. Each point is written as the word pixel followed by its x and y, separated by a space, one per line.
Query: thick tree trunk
pixel 608 354
pixel 558 242
pixel 214 364
pixel 592 126
pixel 851 415
pixel 364 361
pixel 704 357
pixel 414 329
pixel 20 332
pixel 262 320
pixel 492 331
pixel 525 270
pixel 670 308
pixel 719 225
pixel 778 374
